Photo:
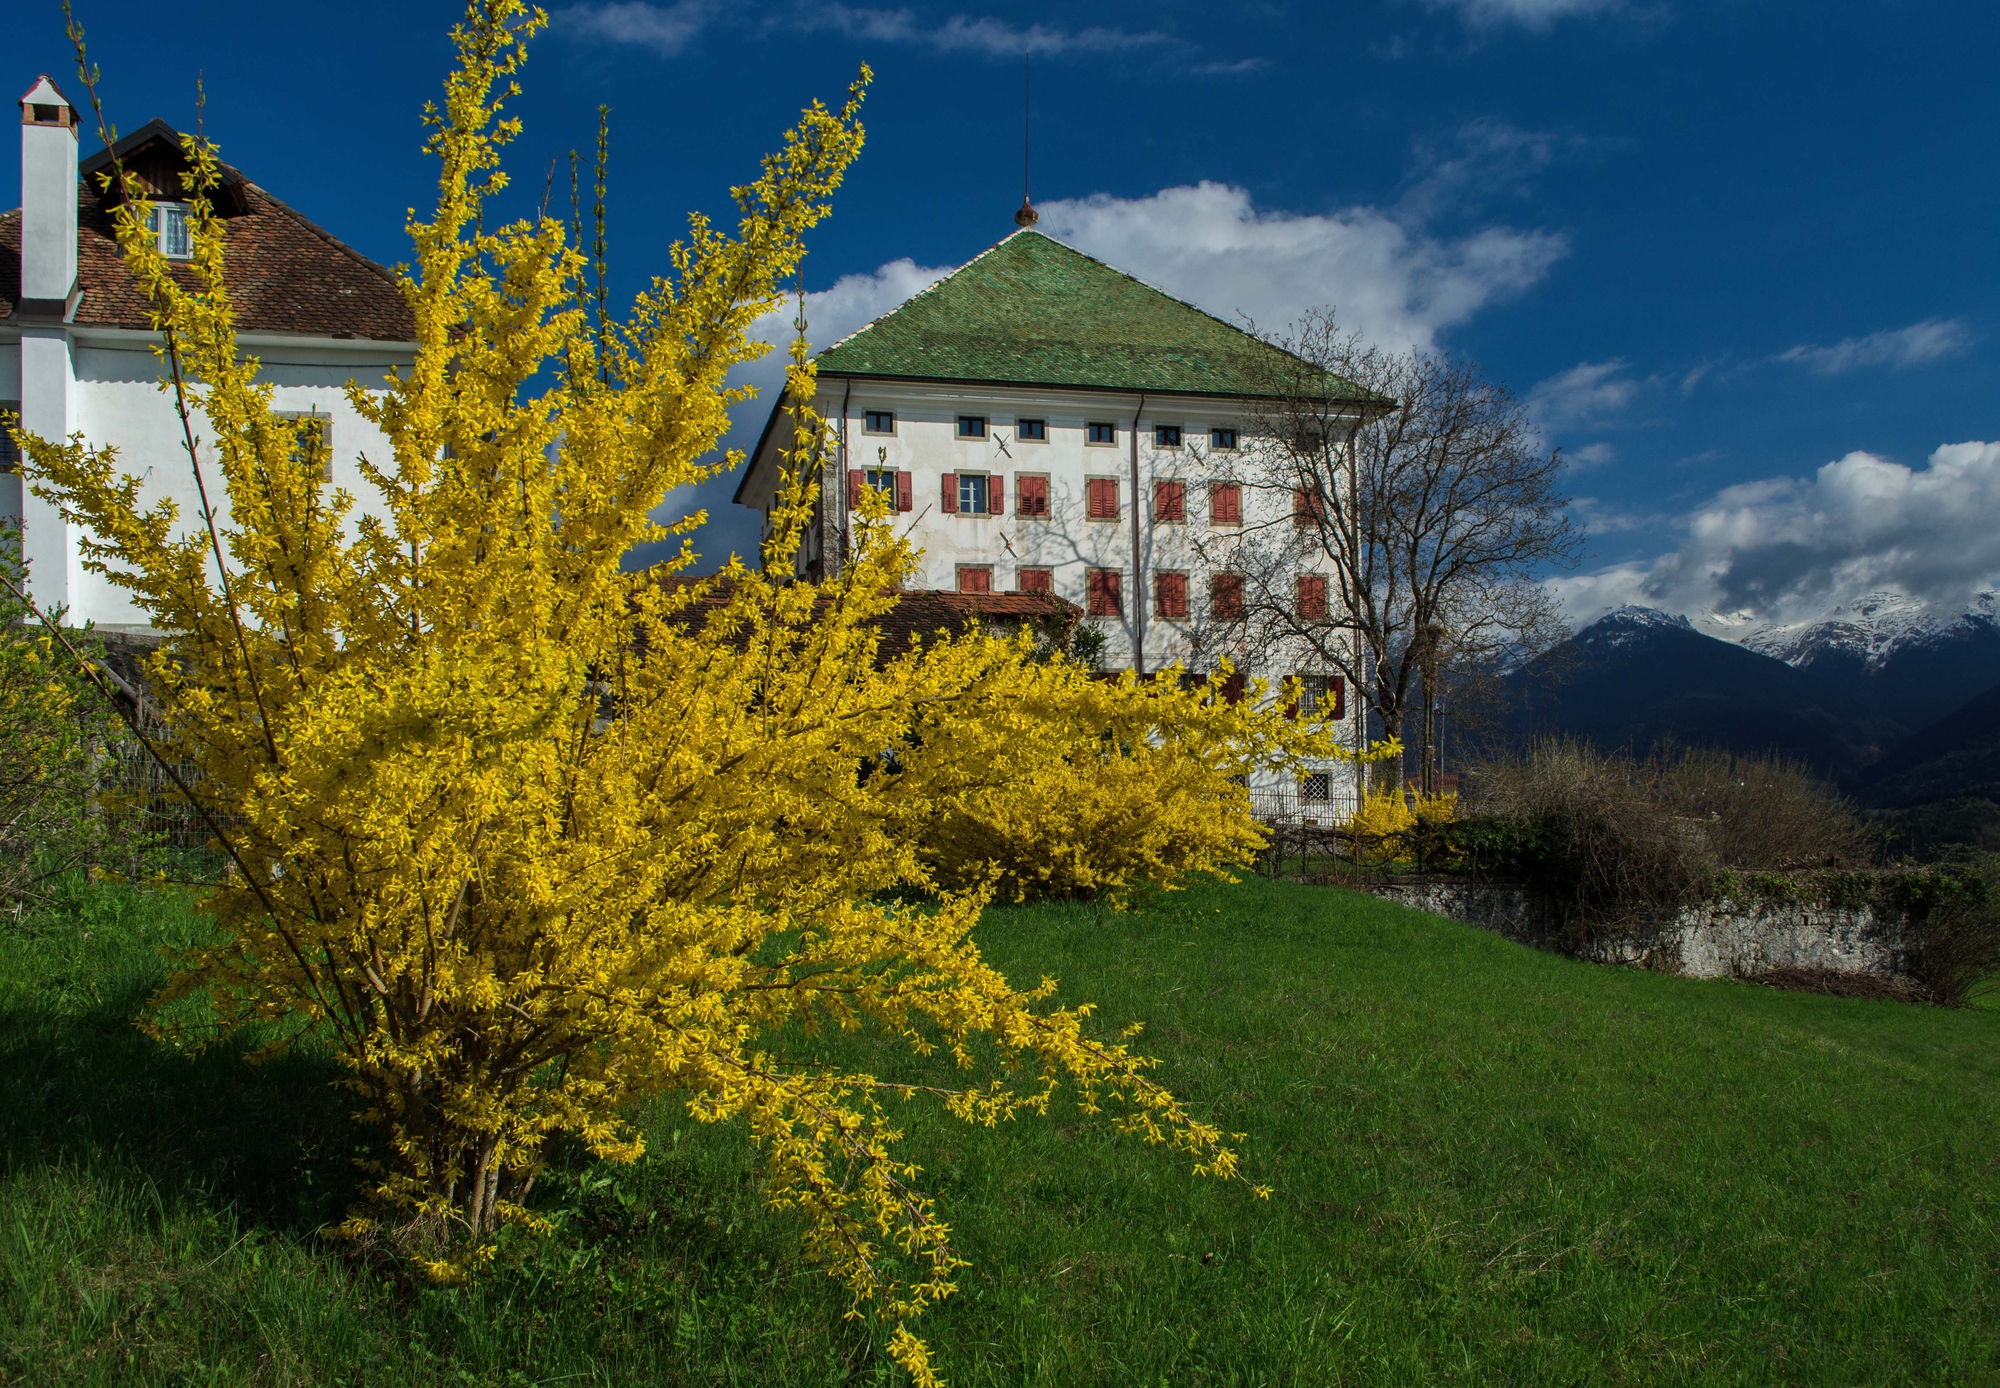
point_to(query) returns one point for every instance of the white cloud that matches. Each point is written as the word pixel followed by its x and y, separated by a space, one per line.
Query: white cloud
pixel 1538 15
pixel 1390 280
pixel 1899 348
pixel 1785 549
pixel 1590 456
pixel 667 29
pixel 1588 392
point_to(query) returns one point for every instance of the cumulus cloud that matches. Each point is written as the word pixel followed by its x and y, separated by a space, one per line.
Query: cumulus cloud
pixel 1898 348
pixel 1785 549
pixel 1589 392
pixel 1591 455
pixel 1390 280
pixel 667 29
pixel 1538 15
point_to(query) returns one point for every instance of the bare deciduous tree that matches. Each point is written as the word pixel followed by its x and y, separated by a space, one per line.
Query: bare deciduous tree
pixel 1429 504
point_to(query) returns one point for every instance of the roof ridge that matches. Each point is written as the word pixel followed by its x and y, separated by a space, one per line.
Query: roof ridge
pixel 945 278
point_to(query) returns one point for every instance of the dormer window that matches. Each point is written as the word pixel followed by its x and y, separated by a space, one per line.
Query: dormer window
pixel 170 222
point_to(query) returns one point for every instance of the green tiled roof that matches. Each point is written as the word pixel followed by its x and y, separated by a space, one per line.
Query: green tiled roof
pixel 1032 311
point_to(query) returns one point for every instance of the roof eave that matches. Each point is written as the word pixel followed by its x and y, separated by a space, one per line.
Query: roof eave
pixel 826 372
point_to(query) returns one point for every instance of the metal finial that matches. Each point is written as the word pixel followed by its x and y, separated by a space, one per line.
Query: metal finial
pixel 1026 216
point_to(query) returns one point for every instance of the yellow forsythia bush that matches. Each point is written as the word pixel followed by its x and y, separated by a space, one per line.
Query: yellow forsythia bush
pixel 527 838
pixel 1139 784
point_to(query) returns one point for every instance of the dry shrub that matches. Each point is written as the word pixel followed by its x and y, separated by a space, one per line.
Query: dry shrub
pixel 1955 953
pixel 1606 848
pixel 1760 814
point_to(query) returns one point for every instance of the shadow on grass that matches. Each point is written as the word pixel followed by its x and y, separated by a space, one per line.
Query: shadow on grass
pixel 86 1088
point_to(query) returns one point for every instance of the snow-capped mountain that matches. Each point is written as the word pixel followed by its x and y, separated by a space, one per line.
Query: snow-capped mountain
pixel 1622 626
pixel 1869 632
pixel 1837 692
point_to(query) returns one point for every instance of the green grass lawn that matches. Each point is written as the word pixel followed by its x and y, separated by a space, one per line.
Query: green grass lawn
pixel 1492 1166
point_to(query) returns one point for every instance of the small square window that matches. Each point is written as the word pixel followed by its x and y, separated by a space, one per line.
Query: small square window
pixel 315 440
pixel 1101 433
pixel 973 491
pixel 975 578
pixel 1325 695
pixel 878 422
pixel 972 426
pixel 1316 787
pixel 1032 430
pixel 1037 580
pixel 1166 436
pixel 1224 439
pixel 171 221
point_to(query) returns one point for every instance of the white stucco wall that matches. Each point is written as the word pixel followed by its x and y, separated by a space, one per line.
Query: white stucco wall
pixel 115 399
pixel 925 443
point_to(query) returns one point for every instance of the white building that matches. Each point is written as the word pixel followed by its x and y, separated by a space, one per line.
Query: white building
pixel 1046 423
pixel 75 344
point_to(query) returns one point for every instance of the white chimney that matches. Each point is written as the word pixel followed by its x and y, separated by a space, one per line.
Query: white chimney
pixel 48 201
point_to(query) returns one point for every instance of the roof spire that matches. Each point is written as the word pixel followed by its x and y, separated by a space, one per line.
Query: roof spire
pixel 1027 216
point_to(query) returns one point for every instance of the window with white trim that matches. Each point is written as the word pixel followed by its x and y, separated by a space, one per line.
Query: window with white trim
pixel 170 223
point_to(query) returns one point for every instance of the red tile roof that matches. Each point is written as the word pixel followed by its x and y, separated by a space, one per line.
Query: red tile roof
pixel 286 275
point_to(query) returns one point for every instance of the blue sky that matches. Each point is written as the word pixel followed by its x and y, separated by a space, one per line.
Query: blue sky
pixel 1738 255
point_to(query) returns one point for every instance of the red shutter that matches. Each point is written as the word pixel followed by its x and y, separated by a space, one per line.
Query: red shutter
pixel 1336 690
pixel 950 493
pixel 996 493
pixel 904 501
pixel 1312 597
pixel 1225 597
pixel 853 488
pixel 1037 581
pixel 1292 709
pixel 1234 688
pixel 1225 504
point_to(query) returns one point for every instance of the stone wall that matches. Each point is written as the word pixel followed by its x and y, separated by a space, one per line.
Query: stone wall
pixel 1725 939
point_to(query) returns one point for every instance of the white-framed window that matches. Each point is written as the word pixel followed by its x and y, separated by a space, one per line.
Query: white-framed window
pixel 315 437
pixel 973 491
pixel 1316 787
pixel 170 223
